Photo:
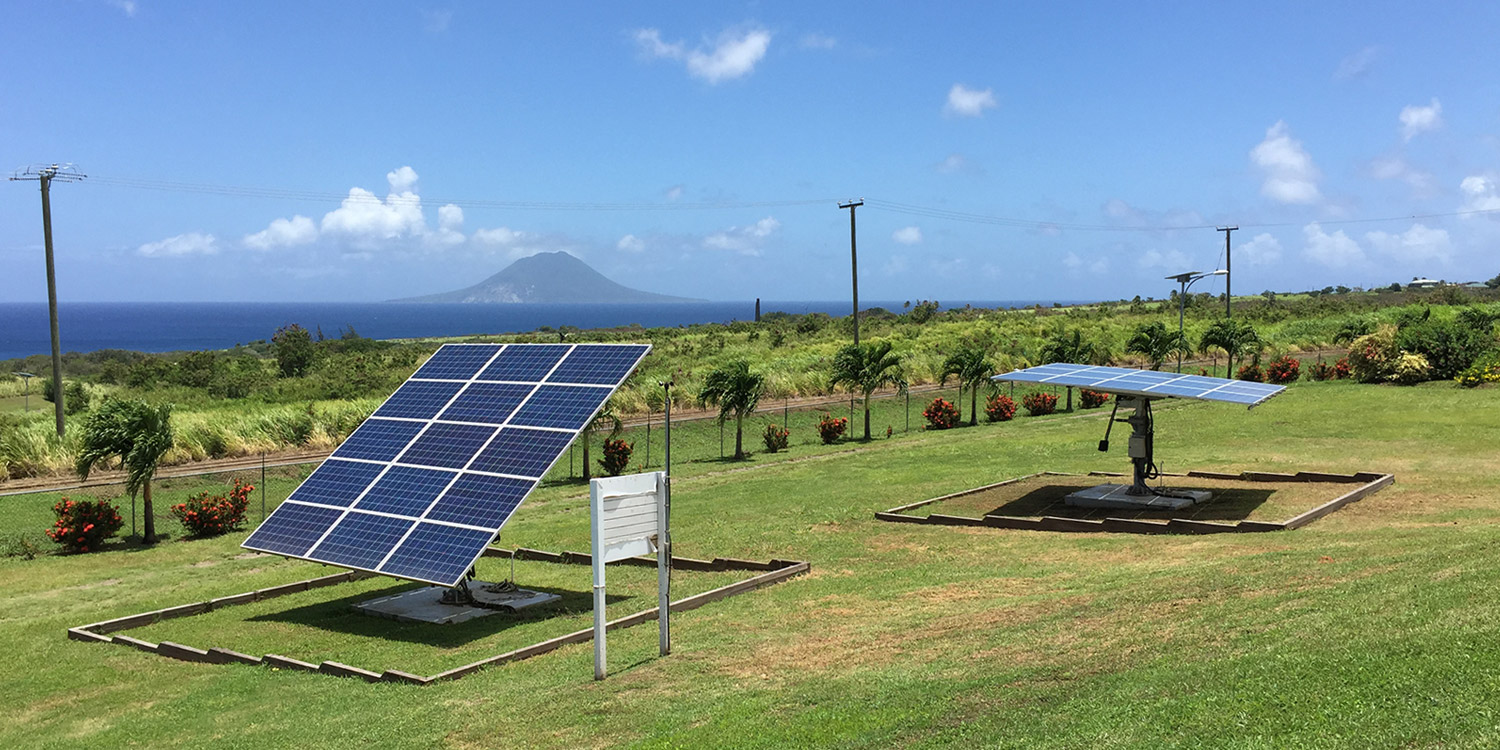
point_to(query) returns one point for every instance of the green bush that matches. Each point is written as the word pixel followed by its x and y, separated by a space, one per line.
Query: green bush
pixel 1372 357
pixel 1449 346
pixel 83 525
pixel 1410 369
pixel 776 438
pixel 1486 369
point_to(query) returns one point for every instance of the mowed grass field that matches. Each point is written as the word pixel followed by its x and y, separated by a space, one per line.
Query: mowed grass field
pixel 1378 626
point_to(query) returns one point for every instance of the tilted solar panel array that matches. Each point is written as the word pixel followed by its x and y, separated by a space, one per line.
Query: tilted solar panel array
pixel 422 487
pixel 1149 383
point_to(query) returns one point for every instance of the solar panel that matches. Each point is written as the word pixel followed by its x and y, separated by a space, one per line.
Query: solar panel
pixel 1148 383
pixel 424 485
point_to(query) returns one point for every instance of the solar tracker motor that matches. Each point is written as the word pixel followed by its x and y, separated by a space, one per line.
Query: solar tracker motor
pixel 1141 448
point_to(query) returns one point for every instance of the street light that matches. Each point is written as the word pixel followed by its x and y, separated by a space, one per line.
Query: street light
pixel 1186 280
pixel 25 379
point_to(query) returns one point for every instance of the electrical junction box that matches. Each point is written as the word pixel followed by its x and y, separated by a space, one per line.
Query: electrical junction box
pixel 1140 446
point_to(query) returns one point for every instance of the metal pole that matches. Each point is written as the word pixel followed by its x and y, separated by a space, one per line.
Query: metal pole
pixel 665 584
pixel 596 523
pixel 648 439
pixel 854 262
pixel 1180 297
pixel 1227 296
pixel 57 384
pixel 262 486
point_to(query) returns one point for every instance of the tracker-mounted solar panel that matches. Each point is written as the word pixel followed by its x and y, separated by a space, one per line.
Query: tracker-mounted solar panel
pixel 423 486
pixel 1145 383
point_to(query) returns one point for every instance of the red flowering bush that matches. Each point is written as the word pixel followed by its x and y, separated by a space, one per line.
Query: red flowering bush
pixel 1203 371
pixel 1091 399
pixel 616 456
pixel 831 428
pixel 83 525
pixel 1321 371
pixel 1252 373
pixel 1000 408
pixel 1038 403
pixel 776 438
pixel 1341 369
pixel 1283 370
pixel 211 515
pixel 941 414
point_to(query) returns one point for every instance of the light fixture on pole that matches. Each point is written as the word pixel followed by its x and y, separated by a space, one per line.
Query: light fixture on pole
pixel 26 380
pixel 1186 280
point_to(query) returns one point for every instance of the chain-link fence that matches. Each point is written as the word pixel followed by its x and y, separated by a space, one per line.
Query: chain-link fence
pixel 696 440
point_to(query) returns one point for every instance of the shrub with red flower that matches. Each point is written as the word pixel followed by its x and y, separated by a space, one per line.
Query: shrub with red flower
pixel 1283 370
pixel 1341 369
pixel 1320 370
pixel 616 456
pixel 83 525
pixel 1091 399
pixel 941 414
pixel 211 515
pixel 1038 403
pixel 831 428
pixel 1252 373
pixel 776 438
pixel 1000 408
pixel 1203 371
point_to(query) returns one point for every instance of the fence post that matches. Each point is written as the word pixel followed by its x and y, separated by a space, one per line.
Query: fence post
pixel 908 411
pixel 721 438
pixel 262 486
pixel 648 439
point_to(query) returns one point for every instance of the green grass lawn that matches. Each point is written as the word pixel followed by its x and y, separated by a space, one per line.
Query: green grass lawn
pixel 1374 627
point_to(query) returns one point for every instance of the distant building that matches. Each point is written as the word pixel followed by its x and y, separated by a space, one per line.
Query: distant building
pixel 1418 283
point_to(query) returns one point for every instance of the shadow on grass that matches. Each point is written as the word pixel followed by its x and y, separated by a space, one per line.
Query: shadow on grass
pixel 339 616
pixel 1234 504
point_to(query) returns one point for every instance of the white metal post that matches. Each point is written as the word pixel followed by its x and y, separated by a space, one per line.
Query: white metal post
pixel 596 521
pixel 663 565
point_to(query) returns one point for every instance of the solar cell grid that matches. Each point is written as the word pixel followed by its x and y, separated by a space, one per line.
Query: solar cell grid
pixel 1145 382
pixel 525 363
pixel 402 504
pixel 418 399
pixel 405 490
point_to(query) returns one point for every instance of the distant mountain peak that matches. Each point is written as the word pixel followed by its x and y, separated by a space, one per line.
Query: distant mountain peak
pixel 548 277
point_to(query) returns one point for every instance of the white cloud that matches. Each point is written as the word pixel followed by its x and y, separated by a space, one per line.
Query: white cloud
pixel 631 244
pixel 1290 176
pixel 907 235
pixel 126 6
pixel 673 193
pixel 514 243
pixel 1480 193
pixel 1396 168
pixel 743 240
pixel 298 230
pixel 1418 243
pixel 192 243
pixel 1416 120
pixel 365 221
pixel 966 102
pixel 953 163
pixel 450 229
pixel 733 55
pixel 402 180
pixel 1261 251
pixel 1174 261
pixel 1356 65
pixel 817 41
pixel 1334 250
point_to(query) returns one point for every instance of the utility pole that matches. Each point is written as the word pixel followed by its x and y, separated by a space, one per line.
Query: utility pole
pixel 45 176
pixel 1227 296
pixel 854 261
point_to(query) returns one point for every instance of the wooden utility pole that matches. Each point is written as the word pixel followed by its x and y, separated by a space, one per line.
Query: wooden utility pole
pixel 45 176
pixel 854 261
pixel 1227 296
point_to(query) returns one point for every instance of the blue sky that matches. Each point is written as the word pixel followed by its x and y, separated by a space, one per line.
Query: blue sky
pixel 322 151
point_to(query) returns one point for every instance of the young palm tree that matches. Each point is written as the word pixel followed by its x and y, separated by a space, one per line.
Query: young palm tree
pixel 1157 343
pixel 973 369
pixel 1235 337
pixel 1069 346
pixel 137 433
pixel 735 390
pixel 866 368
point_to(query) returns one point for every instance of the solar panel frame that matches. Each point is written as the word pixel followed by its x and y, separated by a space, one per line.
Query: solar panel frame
pixel 460 503
pixel 1146 383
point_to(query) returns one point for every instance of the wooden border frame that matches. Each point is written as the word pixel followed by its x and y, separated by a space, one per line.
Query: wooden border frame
pixel 1369 484
pixel 772 572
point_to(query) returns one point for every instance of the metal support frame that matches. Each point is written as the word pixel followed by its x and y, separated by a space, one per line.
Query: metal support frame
pixel 1142 450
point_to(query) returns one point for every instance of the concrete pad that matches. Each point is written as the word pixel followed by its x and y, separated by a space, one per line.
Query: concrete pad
pixel 1114 496
pixel 425 604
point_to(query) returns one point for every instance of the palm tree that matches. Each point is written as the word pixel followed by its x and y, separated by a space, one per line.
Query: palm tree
pixel 1235 337
pixel 866 368
pixel 735 390
pixel 137 433
pixel 973 369
pixel 1157 343
pixel 1069 346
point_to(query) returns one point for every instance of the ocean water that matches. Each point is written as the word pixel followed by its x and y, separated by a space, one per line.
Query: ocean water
pixel 175 326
